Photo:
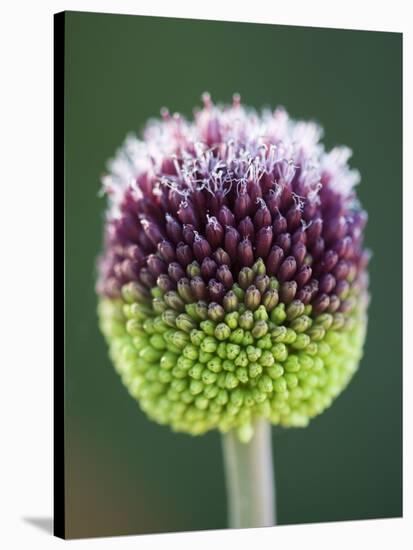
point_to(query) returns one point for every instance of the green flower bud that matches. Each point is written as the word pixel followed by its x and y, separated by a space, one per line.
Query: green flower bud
pixel 275 371
pixel 238 291
pixel 252 298
pixel 295 309
pixel 261 314
pixel 270 299
pixel 159 305
pixel 208 327
pixel 216 312
pixel 254 370
pixel 237 336
pixel 222 331
pixel 196 337
pixel 231 319
pixel 180 339
pixel 209 344
pixel 245 277
pixel 174 301
pixel 185 322
pixel 230 301
pixel 184 290
pixel 262 282
pixel 259 267
pixel 193 269
pixel 169 317
pixel 202 310
pixel 260 329
pixel 134 292
pixel 246 320
pixel 231 381
pixel 232 351
pixel 301 324
pixel 215 365
pixel 278 314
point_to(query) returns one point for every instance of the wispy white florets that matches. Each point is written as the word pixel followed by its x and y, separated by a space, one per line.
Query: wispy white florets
pixel 227 146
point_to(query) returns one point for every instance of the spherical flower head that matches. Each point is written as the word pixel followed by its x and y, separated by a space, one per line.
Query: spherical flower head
pixel 233 280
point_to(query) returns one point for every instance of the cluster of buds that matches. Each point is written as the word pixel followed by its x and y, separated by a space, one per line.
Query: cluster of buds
pixel 233 282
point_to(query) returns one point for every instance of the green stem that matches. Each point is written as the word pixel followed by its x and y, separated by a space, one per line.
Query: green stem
pixel 250 478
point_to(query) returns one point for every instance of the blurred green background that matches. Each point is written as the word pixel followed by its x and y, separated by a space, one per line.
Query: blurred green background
pixel 124 474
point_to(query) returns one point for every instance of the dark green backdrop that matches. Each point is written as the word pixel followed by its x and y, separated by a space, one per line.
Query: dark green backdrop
pixel 124 474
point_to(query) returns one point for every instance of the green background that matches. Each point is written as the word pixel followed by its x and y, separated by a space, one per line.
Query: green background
pixel 125 474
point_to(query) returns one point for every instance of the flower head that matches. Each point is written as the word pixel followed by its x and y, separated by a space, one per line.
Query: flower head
pixel 233 280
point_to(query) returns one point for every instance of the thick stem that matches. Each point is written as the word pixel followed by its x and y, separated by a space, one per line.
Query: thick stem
pixel 250 478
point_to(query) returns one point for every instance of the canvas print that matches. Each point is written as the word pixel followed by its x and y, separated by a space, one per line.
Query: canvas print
pixel 233 265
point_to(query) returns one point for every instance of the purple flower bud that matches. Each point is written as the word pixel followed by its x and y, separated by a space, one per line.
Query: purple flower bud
pixel 327 283
pixel 317 248
pixel 199 288
pixel 299 251
pixel 304 295
pixel 321 303
pixel 214 232
pixel 152 231
pixel 188 233
pixel 245 253
pixel 263 241
pixel 343 247
pixel 165 283
pixel 284 241
pixel 293 218
pixel 130 269
pixel 262 217
pixel 314 231
pixel 342 289
pixel 135 253
pixel 201 248
pixel 186 214
pixel 299 236
pixel 342 269
pixel 328 261
pixel 246 228
pixel 334 303
pixel 287 269
pixel 167 250
pixel 303 275
pixel 242 206
pixel 208 268
pixel 173 229
pixel 232 239
pixel 224 275
pixel 221 257
pixel 226 217
pixel 175 271
pixel 274 259
pixel 216 290
pixel 147 277
pixel 288 291
pixel 335 229
pixel 184 254
pixel 156 265
pixel 280 224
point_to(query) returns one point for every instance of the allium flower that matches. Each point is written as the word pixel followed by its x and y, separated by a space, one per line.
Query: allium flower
pixel 233 281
